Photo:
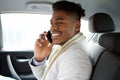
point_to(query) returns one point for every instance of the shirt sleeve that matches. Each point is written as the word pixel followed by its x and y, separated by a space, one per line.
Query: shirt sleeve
pixel 36 63
pixel 37 69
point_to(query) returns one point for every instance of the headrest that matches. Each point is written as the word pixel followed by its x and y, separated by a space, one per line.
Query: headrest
pixel 101 22
pixel 111 41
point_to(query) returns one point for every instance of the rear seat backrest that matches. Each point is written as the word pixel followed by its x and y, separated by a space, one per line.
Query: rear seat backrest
pixel 108 64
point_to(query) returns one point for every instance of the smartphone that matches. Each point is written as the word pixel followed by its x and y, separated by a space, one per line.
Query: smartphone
pixel 49 36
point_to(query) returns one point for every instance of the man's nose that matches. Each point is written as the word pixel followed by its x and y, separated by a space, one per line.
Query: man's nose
pixel 54 26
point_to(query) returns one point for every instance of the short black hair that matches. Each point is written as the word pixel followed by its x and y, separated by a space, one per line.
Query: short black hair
pixel 70 8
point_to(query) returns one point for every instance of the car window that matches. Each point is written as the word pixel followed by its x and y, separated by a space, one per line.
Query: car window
pixel 20 30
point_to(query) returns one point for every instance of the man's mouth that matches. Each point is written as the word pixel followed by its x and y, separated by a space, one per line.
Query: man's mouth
pixel 55 35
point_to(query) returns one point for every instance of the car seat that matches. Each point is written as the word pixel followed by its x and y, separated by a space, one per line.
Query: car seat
pixel 107 66
pixel 99 23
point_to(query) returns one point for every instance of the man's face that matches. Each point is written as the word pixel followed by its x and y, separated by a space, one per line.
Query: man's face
pixel 63 27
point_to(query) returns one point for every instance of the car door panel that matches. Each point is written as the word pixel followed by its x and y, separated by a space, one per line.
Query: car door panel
pixel 16 63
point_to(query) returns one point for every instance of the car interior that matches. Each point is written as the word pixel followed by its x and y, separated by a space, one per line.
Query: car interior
pixel 21 21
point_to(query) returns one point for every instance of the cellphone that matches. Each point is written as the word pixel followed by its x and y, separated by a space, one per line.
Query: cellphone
pixel 49 36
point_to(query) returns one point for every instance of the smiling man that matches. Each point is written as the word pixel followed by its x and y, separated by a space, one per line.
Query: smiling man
pixel 63 27
pixel 68 61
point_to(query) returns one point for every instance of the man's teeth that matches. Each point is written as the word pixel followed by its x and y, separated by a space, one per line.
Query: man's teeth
pixel 55 34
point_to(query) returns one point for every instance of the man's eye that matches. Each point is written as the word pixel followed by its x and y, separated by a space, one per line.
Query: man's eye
pixel 58 23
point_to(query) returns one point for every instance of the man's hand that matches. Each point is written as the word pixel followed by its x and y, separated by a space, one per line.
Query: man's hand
pixel 42 48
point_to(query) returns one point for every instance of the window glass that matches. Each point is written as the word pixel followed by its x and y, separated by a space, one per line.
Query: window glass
pixel 84 28
pixel 20 31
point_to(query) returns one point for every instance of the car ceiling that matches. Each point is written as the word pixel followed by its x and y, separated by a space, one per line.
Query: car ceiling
pixel 110 7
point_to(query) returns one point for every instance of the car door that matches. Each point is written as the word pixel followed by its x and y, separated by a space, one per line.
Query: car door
pixel 15 64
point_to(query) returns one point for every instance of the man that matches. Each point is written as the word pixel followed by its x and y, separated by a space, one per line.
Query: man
pixel 68 61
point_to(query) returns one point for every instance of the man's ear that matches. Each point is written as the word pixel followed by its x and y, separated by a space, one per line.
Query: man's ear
pixel 77 28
